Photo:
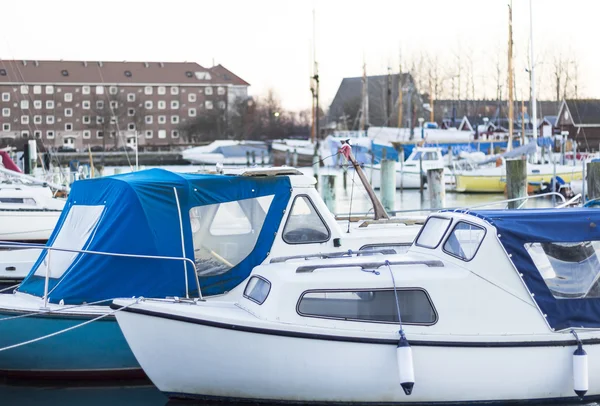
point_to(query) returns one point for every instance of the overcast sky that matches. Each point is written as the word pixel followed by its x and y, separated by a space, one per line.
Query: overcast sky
pixel 267 42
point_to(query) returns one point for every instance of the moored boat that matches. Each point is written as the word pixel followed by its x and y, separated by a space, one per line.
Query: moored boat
pixel 481 298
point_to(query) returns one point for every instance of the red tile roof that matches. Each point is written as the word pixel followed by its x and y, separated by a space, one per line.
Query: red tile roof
pixel 19 71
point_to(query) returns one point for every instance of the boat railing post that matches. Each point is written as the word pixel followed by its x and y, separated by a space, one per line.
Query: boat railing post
pixel 47 279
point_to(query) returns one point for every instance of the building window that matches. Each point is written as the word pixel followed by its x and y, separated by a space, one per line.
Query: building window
pixel 369 305
pixel 192 97
pixel 220 90
pixel 49 89
pixel 6 127
pixel 131 112
pixel 113 120
pixel 37 119
pixel 174 104
pixel 162 119
pixel 37 134
pixel 130 97
pixel 222 105
pixel 192 112
pixel 148 119
pixel 208 104
pixel 162 105
pixel 37 104
pixel 113 90
pixel 6 112
pixel 148 90
pixel 148 134
pixel 85 90
pixel 49 119
pixel 5 97
pixel 50 134
pixel 25 134
pixel 114 104
pixel 87 134
pixel 24 104
pixel 37 89
pixel 86 120
pixel 24 89
pixel 162 90
pixel 99 104
pixel 99 134
pixel 174 133
pixel 208 90
pixel 99 120
pixel 24 119
pixel 174 119
pixel 131 126
pixel 148 104
pixel 69 112
pixel 162 133
pixel 174 90
pixel 85 104
pixel 68 97
pixel 113 134
pixel 99 89
pixel 68 126
pixel 50 104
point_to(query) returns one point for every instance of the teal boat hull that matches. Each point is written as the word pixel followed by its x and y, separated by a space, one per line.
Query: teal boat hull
pixel 95 350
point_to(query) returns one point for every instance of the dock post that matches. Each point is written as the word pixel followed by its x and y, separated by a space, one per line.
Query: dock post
pixel 253 158
pixel 583 181
pixel 388 184
pixel 420 174
pixel 295 158
pixel 247 158
pixel 593 180
pixel 516 180
pixel 328 192
pixel 345 174
pixel 316 165
pixel 287 158
pixel 436 187
pixel 262 157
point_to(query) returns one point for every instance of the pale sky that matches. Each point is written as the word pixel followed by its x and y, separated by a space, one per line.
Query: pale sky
pixel 267 42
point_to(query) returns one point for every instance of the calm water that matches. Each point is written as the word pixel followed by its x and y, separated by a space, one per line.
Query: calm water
pixel 119 393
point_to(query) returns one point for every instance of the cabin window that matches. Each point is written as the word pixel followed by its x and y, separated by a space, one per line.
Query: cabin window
pixel 399 248
pixel 224 234
pixel 464 241
pixel 304 224
pixel 570 270
pixel 369 305
pixel 257 289
pixel 432 232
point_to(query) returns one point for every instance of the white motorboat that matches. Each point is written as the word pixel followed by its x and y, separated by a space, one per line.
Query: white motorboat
pixel 493 306
pixel 15 264
pixel 227 152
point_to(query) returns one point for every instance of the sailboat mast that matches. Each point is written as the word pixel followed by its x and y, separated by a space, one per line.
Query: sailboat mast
pixel 532 70
pixel 364 116
pixel 400 86
pixel 511 107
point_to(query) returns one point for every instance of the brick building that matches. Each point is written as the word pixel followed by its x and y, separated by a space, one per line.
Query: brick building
pixel 74 104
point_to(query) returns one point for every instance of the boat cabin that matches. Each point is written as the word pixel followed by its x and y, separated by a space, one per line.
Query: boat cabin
pixel 429 157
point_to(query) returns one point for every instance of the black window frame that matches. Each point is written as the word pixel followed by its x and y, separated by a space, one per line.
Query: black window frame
pixel 251 298
pixel 435 312
pixel 318 214
pixel 441 238
pixel 478 247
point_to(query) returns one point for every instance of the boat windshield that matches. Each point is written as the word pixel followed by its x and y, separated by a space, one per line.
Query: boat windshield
pixel 432 232
pixel 425 156
pixel 224 234
pixel 570 270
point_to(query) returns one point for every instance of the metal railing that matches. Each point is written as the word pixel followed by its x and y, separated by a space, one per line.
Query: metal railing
pixel 337 254
pixel 368 265
pixel 185 261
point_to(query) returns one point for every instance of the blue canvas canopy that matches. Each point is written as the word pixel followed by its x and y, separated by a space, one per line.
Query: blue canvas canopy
pixel 137 213
pixel 517 228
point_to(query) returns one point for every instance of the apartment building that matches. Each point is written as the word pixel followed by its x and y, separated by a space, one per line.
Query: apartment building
pixel 76 104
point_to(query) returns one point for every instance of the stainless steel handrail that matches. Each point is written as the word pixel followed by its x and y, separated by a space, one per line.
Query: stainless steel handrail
pixel 368 265
pixel 336 254
pixel 6 244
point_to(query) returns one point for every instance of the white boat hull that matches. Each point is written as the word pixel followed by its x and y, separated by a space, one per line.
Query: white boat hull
pixel 15 264
pixel 27 225
pixel 224 361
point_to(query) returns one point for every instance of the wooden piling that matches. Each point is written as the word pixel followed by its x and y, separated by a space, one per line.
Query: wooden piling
pixel 288 158
pixel 388 184
pixel 420 174
pixel 516 181
pixel 328 191
pixel 593 180
pixel 247 158
pixel 295 158
pixel 436 187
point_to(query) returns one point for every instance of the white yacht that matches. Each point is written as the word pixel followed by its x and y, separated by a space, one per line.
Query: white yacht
pixel 227 152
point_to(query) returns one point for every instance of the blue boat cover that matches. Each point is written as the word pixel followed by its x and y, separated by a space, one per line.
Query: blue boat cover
pixel 517 227
pixel 140 216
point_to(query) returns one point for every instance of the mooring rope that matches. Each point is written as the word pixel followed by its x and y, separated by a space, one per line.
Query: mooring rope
pixel 67 329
